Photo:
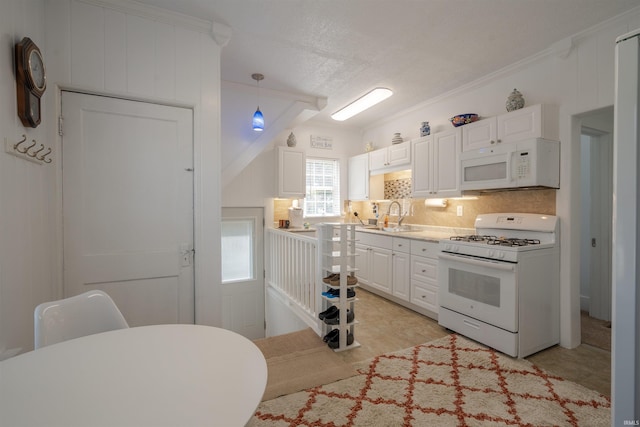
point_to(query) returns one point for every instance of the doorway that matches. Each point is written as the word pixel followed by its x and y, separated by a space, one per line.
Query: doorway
pixel 596 151
pixel 243 295
pixel 127 182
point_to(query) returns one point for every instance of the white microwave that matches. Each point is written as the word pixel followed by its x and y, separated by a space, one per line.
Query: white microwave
pixel 528 163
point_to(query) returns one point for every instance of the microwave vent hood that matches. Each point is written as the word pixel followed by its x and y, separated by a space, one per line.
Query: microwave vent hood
pixel 531 163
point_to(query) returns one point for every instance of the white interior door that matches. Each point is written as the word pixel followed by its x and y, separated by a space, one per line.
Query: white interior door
pixel 243 271
pixel 128 205
pixel 600 222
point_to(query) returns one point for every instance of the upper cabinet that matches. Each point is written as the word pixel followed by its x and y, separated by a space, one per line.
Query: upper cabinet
pixel 435 165
pixel 362 185
pixel 389 159
pixel 537 121
pixel 292 173
pixel 359 177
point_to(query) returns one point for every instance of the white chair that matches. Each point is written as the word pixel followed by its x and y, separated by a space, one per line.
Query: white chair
pixel 85 314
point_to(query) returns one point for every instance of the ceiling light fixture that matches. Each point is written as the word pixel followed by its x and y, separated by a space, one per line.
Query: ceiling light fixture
pixel 258 118
pixel 377 95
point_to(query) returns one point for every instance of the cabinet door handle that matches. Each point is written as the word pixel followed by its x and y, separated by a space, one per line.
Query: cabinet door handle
pixel 424 271
pixel 492 141
pixel 424 250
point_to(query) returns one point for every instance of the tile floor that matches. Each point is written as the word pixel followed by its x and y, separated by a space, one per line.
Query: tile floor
pixel 385 327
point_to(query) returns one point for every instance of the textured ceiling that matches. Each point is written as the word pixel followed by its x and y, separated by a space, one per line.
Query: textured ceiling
pixel 340 49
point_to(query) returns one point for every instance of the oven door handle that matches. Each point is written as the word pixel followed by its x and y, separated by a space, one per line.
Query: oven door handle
pixel 487 264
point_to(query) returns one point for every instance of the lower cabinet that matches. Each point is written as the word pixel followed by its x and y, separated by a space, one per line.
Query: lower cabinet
pixel 424 275
pixel 373 261
pixel 401 269
pixel 401 283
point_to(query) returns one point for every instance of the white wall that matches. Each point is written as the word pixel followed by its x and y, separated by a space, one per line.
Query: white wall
pixel 123 49
pixel 27 193
pixel 140 53
pixel 256 184
pixel 577 80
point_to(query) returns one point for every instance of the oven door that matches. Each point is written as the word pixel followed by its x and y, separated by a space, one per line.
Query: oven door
pixel 483 289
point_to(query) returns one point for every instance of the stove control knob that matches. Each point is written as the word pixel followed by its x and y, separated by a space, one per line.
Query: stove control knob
pixel 490 253
pixel 501 255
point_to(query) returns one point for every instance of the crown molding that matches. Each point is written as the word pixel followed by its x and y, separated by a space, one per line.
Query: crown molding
pixel 221 33
pixel 142 10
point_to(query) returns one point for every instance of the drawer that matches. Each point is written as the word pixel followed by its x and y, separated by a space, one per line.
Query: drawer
pixel 424 295
pixel 401 245
pixel 371 239
pixel 425 269
pixel 501 340
pixel 424 248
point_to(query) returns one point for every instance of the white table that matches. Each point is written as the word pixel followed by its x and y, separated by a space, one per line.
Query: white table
pixel 163 375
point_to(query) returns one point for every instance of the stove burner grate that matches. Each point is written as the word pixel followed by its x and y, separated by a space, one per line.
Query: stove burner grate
pixel 472 238
pixel 513 242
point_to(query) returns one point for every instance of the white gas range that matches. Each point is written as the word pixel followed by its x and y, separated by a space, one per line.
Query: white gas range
pixel 501 286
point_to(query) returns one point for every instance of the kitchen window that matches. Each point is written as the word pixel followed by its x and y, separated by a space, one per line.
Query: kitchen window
pixel 322 188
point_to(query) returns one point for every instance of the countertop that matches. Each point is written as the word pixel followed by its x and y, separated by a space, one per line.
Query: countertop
pixel 429 233
pixel 419 232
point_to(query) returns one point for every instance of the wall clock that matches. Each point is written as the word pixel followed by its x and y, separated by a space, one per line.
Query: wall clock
pixel 31 81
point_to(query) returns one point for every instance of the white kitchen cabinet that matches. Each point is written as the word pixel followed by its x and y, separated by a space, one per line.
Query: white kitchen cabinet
pixel 362 186
pixel 374 261
pixel 435 165
pixel 374 266
pixel 359 177
pixel 292 173
pixel 378 159
pixel 388 159
pixel 424 275
pixel 401 268
pixel 536 121
pixel 384 264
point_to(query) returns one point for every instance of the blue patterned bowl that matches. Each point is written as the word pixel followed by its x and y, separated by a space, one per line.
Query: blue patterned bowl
pixel 463 119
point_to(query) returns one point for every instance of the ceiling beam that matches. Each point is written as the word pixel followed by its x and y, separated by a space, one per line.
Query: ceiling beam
pixel 298 112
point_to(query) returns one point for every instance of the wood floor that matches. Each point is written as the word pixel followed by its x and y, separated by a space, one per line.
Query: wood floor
pixel 385 327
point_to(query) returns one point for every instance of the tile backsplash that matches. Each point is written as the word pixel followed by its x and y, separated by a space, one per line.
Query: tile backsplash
pixel 541 201
pixel 397 186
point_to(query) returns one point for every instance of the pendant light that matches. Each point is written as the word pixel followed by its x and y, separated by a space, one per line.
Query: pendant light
pixel 258 118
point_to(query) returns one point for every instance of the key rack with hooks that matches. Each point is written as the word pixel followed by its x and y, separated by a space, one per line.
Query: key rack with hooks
pixel 31 151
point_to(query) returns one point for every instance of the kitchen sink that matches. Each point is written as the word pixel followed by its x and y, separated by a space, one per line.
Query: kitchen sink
pixel 368 227
pixel 400 228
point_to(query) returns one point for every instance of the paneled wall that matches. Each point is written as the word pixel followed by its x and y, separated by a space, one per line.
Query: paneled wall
pixel 123 49
pixel 108 47
pixel 27 193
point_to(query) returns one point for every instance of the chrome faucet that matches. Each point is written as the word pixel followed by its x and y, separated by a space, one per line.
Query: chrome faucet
pixel 400 215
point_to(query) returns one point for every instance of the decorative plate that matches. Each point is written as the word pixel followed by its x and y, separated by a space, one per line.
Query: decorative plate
pixel 463 119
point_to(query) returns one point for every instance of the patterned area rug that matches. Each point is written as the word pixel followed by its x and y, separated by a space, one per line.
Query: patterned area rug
pixel 447 382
